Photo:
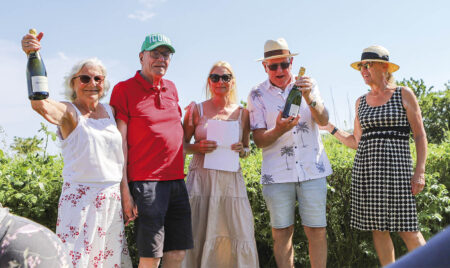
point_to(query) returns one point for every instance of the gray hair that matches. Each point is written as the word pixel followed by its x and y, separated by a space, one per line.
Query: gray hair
pixel 68 83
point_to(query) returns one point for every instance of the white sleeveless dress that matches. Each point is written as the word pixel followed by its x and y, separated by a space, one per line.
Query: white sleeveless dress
pixel 90 220
pixel 222 219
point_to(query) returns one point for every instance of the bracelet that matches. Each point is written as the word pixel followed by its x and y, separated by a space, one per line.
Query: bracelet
pixel 335 129
pixel 245 153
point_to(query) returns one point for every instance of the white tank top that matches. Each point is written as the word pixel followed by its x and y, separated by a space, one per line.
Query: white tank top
pixel 93 150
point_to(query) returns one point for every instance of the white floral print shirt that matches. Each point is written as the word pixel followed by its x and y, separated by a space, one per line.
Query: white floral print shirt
pixel 298 155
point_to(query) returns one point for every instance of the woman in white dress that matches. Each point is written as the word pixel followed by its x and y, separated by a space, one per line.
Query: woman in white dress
pixel 222 219
pixel 90 220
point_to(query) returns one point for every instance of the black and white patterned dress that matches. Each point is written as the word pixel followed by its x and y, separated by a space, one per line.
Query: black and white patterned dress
pixel 381 178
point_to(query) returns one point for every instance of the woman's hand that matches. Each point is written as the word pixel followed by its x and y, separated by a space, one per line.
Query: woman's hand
pixel 129 208
pixel 206 146
pixel 31 43
pixel 237 147
pixel 417 182
pixel 130 211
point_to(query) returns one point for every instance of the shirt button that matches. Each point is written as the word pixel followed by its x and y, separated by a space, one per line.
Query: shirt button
pixel 295 147
pixel 294 132
pixel 296 162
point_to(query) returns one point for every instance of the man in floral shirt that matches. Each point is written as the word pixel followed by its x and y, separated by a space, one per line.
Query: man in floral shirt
pixel 294 165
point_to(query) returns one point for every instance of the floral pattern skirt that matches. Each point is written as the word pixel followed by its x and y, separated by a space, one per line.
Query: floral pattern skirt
pixel 90 223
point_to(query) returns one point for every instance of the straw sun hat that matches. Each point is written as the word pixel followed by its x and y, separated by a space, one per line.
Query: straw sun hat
pixel 378 54
pixel 274 49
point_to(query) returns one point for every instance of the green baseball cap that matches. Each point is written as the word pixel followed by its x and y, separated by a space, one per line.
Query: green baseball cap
pixel 153 41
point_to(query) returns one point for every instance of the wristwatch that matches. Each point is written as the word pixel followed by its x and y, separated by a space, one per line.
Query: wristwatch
pixel 335 129
pixel 313 103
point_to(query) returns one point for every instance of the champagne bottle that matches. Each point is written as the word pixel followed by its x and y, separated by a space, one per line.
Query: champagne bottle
pixel 294 99
pixel 36 75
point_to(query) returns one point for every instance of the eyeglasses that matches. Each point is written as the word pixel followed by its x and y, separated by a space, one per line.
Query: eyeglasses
pixel 215 78
pixel 85 79
pixel 157 54
pixel 365 65
pixel 283 65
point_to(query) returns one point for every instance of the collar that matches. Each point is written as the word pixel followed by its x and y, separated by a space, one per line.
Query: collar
pixel 150 87
pixel 274 90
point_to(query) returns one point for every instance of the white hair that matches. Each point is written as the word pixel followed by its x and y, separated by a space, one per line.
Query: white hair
pixel 68 83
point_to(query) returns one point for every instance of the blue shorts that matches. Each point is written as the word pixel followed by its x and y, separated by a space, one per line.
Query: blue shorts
pixel 312 198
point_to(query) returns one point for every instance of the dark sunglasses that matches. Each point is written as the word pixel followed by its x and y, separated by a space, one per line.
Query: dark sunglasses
pixel 365 65
pixel 215 77
pixel 274 67
pixel 85 79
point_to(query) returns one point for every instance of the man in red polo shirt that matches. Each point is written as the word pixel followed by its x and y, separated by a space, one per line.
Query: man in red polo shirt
pixel 149 118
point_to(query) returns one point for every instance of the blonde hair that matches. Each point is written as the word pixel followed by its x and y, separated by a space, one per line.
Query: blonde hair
pixel 68 79
pixel 390 78
pixel 232 98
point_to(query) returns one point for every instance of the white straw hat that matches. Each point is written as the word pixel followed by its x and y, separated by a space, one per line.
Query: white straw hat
pixel 274 49
pixel 378 54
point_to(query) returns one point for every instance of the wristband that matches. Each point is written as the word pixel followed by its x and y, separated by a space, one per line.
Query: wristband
pixel 335 129
pixel 245 153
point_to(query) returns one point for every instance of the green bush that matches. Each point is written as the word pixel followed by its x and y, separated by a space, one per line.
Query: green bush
pixel 30 185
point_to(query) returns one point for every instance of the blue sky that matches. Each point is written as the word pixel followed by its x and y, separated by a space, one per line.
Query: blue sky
pixel 328 35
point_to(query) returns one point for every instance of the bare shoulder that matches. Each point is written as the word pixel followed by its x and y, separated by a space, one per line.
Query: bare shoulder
pixel 358 100
pixel 69 106
pixel 204 104
pixel 409 99
pixel 407 93
pixel 192 113
pixel 70 113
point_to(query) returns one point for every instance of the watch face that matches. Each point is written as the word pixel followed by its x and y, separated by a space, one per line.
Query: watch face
pixel 313 104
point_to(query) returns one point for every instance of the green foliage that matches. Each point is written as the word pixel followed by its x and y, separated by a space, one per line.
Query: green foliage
pixel 24 146
pixel 251 169
pixel 438 161
pixel 435 107
pixel 30 183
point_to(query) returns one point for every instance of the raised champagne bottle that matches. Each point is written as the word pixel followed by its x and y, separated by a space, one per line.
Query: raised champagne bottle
pixel 294 99
pixel 36 75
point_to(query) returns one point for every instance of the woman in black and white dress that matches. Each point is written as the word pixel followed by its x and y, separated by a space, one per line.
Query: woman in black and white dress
pixel 383 184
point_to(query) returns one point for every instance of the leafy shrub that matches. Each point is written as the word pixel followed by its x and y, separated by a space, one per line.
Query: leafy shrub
pixel 434 106
pixel 30 186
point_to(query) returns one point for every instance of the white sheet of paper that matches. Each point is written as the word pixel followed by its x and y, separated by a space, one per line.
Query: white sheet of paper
pixel 225 133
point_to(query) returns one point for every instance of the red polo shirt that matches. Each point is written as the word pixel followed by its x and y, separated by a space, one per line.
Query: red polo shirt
pixel 155 134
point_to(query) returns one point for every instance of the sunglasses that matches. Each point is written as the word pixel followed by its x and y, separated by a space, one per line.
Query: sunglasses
pixel 85 79
pixel 365 65
pixel 283 65
pixel 156 54
pixel 215 77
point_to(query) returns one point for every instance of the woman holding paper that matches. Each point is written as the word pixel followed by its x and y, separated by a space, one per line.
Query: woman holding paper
pixel 222 219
